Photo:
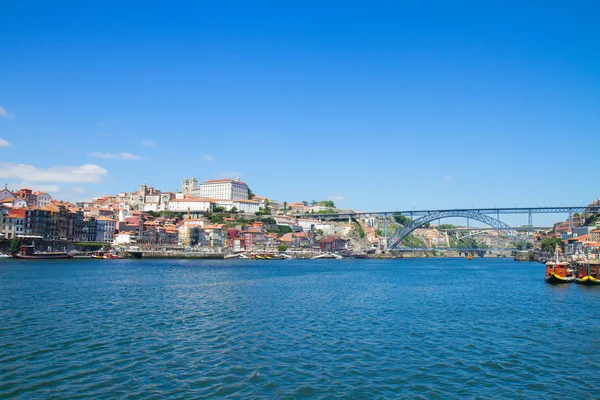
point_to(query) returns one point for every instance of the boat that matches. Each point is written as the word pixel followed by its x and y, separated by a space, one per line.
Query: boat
pixel 470 257
pixel 587 273
pixel 558 272
pixel 29 253
pixel 2 255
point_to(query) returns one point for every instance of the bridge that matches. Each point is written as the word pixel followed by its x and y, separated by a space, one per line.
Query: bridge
pixel 489 216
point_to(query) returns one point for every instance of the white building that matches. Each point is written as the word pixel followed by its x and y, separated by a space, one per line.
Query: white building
pixel 43 199
pixel 328 229
pixel 105 229
pixel 12 226
pixel 193 205
pixel 246 206
pixel 224 189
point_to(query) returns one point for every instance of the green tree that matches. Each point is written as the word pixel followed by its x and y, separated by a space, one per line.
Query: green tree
pixel 327 203
pixel 401 219
pixel 446 226
pixel 250 193
pixel 219 209
pixel 549 244
pixel 15 244
pixel 282 247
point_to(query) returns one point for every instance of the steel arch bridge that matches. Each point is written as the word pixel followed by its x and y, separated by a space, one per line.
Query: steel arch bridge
pixel 395 239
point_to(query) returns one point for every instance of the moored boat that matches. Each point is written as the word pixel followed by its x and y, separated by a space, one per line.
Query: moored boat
pixel 29 253
pixel 559 271
pixel 587 274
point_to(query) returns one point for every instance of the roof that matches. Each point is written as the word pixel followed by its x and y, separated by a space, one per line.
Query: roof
pixel 225 180
pixel 193 200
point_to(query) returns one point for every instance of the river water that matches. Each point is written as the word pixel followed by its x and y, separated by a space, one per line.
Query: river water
pixel 426 328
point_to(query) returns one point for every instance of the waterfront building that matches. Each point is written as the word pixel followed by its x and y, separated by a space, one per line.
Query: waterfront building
pixel 224 189
pixel 13 224
pixel 595 235
pixel 38 222
pixel 105 230
pixel 89 229
pixel 332 243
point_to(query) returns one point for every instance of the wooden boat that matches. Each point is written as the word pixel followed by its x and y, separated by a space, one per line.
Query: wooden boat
pixel 559 272
pixel 587 274
pixel 29 253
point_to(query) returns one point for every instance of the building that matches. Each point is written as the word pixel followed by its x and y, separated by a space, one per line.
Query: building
pixel 246 206
pixel 188 185
pixel 6 194
pixel 43 199
pixel 595 235
pixel 13 224
pixel 27 195
pixel 224 189
pixel 332 243
pixel 105 230
pixel 193 205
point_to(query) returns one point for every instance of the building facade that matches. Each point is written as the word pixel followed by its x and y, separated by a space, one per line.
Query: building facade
pixel 223 189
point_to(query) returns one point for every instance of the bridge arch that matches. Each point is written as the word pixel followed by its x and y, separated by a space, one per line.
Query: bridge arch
pixel 395 239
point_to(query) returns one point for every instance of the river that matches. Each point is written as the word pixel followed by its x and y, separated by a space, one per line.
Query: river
pixel 422 328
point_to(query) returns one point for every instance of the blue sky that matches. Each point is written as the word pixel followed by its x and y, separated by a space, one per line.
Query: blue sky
pixel 377 105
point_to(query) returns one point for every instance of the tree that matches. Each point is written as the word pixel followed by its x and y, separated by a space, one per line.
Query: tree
pixel 549 244
pixel 15 244
pixel 282 247
pixel 446 226
pixel 401 219
pixel 219 209
pixel 305 202
pixel 284 206
pixel 250 193
pixel 327 203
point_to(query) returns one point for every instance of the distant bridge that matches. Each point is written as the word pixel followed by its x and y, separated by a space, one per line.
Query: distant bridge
pixel 479 214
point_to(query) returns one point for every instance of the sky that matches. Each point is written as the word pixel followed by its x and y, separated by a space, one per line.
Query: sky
pixel 375 105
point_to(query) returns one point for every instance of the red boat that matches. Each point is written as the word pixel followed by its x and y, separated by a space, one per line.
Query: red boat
pixel 29 253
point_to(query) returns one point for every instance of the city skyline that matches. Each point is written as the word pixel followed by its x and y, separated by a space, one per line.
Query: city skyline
pixel 377 108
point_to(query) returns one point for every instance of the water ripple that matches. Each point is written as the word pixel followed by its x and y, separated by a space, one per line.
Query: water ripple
pixel 294 329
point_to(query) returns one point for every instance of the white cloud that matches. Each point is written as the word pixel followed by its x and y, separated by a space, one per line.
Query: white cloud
pixel 113 156
pixel 129 156
pixel 208 158
pixel 4 113
pixel 148 143
pixel 90 173
pixel 4 143
pixel 336 198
